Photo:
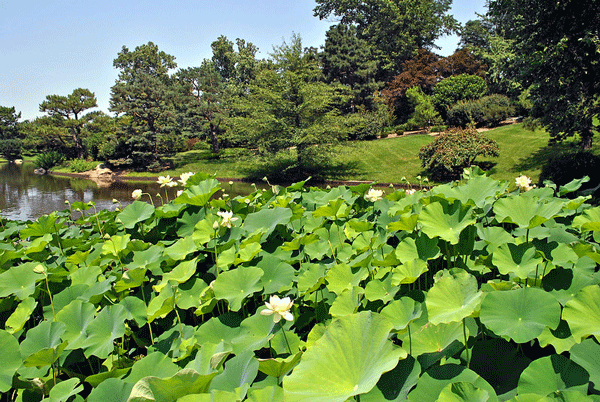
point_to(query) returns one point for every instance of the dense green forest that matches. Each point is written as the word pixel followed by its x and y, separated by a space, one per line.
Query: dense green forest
pixel 376 73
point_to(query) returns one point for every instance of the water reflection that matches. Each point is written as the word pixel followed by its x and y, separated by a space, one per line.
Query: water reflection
pixel 25 195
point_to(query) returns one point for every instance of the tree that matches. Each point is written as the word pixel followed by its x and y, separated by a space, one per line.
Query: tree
pixel 350 60
pixel 236 67
pixel 461 87
pixel 556 46
pixel 395 28
pixel 144 91
pixel 205 94
pixel 287 106
pixel 425 114
pixel 10 142
pixel 68 112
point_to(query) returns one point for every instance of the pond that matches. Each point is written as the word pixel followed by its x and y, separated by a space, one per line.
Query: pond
pixel 25 195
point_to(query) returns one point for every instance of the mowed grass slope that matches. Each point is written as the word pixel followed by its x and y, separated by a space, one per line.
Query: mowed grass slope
pixel 388 160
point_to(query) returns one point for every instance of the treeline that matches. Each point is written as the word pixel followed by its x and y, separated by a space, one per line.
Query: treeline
pixel 376 73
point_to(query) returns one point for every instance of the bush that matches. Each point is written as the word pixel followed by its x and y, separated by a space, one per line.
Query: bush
pixel 460 87
pixel 10 149
pixel 48 160
pixel 81 165
pixel 451 152
pixel 365 125
pixel 438 129
pixel 489 111
pixel 563 168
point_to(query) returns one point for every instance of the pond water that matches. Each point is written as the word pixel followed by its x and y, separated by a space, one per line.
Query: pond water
pixel 25 195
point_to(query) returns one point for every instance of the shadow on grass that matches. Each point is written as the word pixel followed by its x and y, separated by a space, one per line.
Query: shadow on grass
pixel 539 158
pixel 283 169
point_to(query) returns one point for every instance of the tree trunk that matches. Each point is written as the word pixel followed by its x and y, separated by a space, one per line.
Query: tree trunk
pixel 586 139
pixel 213 138
pixel 78 144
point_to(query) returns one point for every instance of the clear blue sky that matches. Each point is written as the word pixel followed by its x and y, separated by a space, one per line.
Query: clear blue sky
pixel 54 46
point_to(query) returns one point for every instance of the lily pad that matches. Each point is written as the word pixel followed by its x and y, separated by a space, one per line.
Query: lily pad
pixel 452 298
pixel 237 284
pixel 551 374
pixel 583 313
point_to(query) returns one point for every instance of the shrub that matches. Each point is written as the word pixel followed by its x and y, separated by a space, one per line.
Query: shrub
pixel 451 152
pixel 10 149
pixel 48 160
pixel 425 114
pixel 438 129
pixel 460 87
pixel 563 168
pixel 489 111
pixel 365 125
pixel 81 165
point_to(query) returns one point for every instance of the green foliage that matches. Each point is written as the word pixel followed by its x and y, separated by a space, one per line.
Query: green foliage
pixel 461 87
pixel 451 152
pixel 488 111
pixel 9 119
pixel 81 165
pixel 438 295
pixel 48 160
pixel 11 149
pixel 425 114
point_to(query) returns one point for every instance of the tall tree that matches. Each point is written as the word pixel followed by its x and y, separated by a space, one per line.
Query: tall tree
pixel 205 96
pixel 10 142
pixel 145 92
pixel 237 67
pixel 395 28
pixel 349 60
pixel 556 46
pixel 68 112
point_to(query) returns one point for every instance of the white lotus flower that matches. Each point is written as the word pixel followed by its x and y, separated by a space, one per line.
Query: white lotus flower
pixel 279 308
pixel 410 191
pixel 523 182
pixel 164 180
pixel 136 194
pixel 374 195
pixel 179 192
pixel 227 217
pixel 184 177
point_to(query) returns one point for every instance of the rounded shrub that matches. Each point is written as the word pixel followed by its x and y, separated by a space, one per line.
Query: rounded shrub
pixel 488 111
pixel 453 89
pixel 446 157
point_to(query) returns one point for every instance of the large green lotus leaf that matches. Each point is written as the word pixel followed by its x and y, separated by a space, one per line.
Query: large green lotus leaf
pixel 149 258
pixel 237 284
pixel 204 363
pixel 406 222
pixel 431 338
pixel 340 278
pixel 408 272
pixel 184 382
pixel 582 313
pixel 198 194
pixel 181 248
pixel 253 333
pixel 215 331
pixel 452 298
pixel 214 396
pixel 564 284
pixel 132 278
pixel 238 375
pixel 347 303
pixel 551 374
pixel 395 384
pixel 162 304
pixel 463 392
pixel 494 236
pixel 43 345
pixel 19 280
pixel 272 393
pixel 267 219
pixel 111 390
pixel 10 360
pixel 278 367
pixel 19 317
pixel 182 272
pixel 335 209
pixel 588 220
pixel 445 220
pixel 560 338
pixel 135 212
pixel 154 364
pixel 349 358
pixel 519 260
pixel 401 312
pixel 587 355
pixel 277 274
pixel 108 325
pixel 526 212
pixel 478 191
pixel 136 309
pixel 520 314
pixel 64 390
pixel 189 293
pixel 432 382
pixel 77 316
pixel 381 289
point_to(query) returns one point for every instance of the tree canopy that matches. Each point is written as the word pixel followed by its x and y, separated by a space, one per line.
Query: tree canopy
pixel 556 47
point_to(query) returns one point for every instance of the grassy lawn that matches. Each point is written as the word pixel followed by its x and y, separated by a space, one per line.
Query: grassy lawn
pixel 386 160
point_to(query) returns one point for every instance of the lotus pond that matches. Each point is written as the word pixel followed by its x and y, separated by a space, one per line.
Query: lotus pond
pixel 465 292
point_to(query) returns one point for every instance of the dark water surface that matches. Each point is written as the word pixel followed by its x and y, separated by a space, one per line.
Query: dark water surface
pixel 25 195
